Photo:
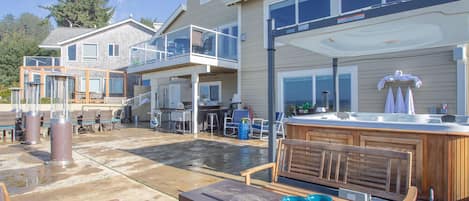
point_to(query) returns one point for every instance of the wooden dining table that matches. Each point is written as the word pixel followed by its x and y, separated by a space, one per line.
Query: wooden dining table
pixel 228 190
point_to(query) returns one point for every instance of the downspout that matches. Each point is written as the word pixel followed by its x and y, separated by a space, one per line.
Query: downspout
pixel 270 87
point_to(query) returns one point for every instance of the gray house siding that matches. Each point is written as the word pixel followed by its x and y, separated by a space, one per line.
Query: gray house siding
pixel 125 36
pixel 434 66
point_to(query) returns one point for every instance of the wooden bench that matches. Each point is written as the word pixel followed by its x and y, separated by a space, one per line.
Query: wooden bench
pixel 105 120
pixel 8 123
pixel 379 172
pixel 89 119
pixel 4 196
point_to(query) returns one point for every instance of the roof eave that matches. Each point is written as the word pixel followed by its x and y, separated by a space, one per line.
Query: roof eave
pixel 49 46
pixel 182 8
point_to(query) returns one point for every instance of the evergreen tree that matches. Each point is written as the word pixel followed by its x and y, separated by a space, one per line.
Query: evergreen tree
pixel 81 13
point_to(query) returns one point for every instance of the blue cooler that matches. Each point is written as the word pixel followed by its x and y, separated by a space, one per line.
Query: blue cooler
pixel 243 130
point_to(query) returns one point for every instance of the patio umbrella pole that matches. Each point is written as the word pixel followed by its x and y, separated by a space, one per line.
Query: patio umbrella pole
pixel 335 91
pixel 271 90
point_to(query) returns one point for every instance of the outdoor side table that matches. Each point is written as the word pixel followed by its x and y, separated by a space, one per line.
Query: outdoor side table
pixel 228 190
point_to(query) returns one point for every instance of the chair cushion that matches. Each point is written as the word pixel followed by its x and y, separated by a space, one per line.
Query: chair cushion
pixel 257 126
pixel 229 124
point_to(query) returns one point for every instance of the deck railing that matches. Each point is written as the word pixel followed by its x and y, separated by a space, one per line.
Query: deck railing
pixel 189 40
pixel 41 61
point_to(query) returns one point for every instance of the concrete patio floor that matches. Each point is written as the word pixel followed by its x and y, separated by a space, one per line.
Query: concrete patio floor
pixel 127 164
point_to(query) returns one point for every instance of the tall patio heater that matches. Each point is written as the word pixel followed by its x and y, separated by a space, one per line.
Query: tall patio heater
pixel 15 100
pixel 61 126
pixel 33 119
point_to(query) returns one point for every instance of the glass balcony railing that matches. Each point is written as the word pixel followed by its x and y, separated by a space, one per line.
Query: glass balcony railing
pixel 190 40
pixel 41 61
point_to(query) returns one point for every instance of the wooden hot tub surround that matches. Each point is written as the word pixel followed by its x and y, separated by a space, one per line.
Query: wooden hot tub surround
pixel 440 159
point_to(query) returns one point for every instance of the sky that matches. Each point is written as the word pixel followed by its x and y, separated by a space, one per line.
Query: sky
pixel 159 9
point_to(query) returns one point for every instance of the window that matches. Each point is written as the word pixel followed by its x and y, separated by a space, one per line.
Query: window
pixel 300 87
pixel 113 50
pixel 210 92
pixel 72 52
pixel 313 9
pixel 116 86
pixel 350 5
pixel 95 85
pixel 90 52
pixel 146 83
pixel 283 12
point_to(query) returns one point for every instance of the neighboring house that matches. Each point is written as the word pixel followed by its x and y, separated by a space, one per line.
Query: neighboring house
pixel 371 39
pixel 96 57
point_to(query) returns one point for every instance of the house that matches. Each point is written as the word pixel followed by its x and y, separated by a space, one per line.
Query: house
pixel 97 58
pixel 223 55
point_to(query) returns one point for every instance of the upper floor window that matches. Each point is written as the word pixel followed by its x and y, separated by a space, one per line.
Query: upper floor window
pixel 350 5
pixel 313 9
pixel 72 52
pixel 90 52
pixel 283 12
pixel 113 50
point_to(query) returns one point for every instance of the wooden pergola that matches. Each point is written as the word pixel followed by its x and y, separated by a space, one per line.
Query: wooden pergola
pixel 43 71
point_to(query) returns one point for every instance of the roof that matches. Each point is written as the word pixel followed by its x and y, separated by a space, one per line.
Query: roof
pixel 64 35
pixel 60 34
pixel 182 8
pixel 130 20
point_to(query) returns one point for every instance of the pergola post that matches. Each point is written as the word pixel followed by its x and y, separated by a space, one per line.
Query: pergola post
pixel 21 82
pixel 195 103
pixel 42 89
pixel 125 84
pixel 107 83
pixel 87 86
pixel 76 87
pixel 271 89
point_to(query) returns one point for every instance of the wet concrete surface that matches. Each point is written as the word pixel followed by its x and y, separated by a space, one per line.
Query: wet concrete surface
pixel 127 164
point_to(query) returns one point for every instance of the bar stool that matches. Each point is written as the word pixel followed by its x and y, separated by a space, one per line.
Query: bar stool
pixel 210 118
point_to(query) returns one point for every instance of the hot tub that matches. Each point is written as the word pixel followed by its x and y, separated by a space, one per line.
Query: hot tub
pixel 440 150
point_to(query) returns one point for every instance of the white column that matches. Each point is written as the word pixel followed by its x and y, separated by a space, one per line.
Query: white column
pixel 460 57
pixel 195 103
pixel 153 101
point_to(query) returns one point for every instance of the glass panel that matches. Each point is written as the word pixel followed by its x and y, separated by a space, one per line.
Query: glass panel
pixel 72 52
pixel 203 42
pixel 83 84
pixel 314 9
pixel 297 91
pixel 37 78
pixel 90 52
pixel 235 31
pixel 283 13
pixel 214 93
pixel 178 43
pixel 111 50
pixel 324 83
pixel 95 85
pixel 350 5
pixel 48 85
pixel 116 85
pixel 345 93
pixel 204 93
pixel 227 47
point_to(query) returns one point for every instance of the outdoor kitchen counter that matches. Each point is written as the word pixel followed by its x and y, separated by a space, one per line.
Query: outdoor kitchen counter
pixel 439 150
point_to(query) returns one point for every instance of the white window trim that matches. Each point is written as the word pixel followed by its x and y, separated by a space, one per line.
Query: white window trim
pixel 101 84
pixel 113 50
pixel 83 52
pixel 76 51
pixel 352 70
pixel 201 84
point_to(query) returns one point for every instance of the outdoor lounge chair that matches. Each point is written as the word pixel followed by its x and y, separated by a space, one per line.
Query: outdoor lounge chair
pixel 234 121
pixel 4 196
pixel 262 126
pixel 105 120
pixel 89 119
pixel 8 123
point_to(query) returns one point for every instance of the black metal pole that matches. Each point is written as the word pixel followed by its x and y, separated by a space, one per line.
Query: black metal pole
pixel 335 91
pixel 271 89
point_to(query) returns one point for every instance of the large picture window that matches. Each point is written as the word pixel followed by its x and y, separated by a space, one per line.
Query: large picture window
pixel 300 87
pixel 210 92
pixel 90 52
pixel 283 12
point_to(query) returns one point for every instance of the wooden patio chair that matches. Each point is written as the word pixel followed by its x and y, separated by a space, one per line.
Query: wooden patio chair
pixel 8 124
pixel 4 196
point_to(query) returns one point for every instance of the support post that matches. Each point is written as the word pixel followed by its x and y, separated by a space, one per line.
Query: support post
pixel 87 86
pixel 22 82
pixel 107 83
pixel 195 103
pixel 335 91
pixel 125 84
pixel 76 87
pixel 460 56
pixel 42 89
pixel 271 89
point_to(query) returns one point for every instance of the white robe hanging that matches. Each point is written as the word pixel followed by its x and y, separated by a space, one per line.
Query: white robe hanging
pixel 389 106
pixel 400 105
pixel 409 102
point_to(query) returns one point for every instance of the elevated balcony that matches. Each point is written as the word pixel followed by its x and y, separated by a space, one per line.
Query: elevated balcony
pixel 191 45
pixel 40 61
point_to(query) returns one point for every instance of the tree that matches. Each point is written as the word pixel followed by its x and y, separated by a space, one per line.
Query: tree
pixel 19 37
pixel 81 13
pixel 147 21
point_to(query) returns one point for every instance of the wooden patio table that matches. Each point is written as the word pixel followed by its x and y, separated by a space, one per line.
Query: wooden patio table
pixel 228 190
